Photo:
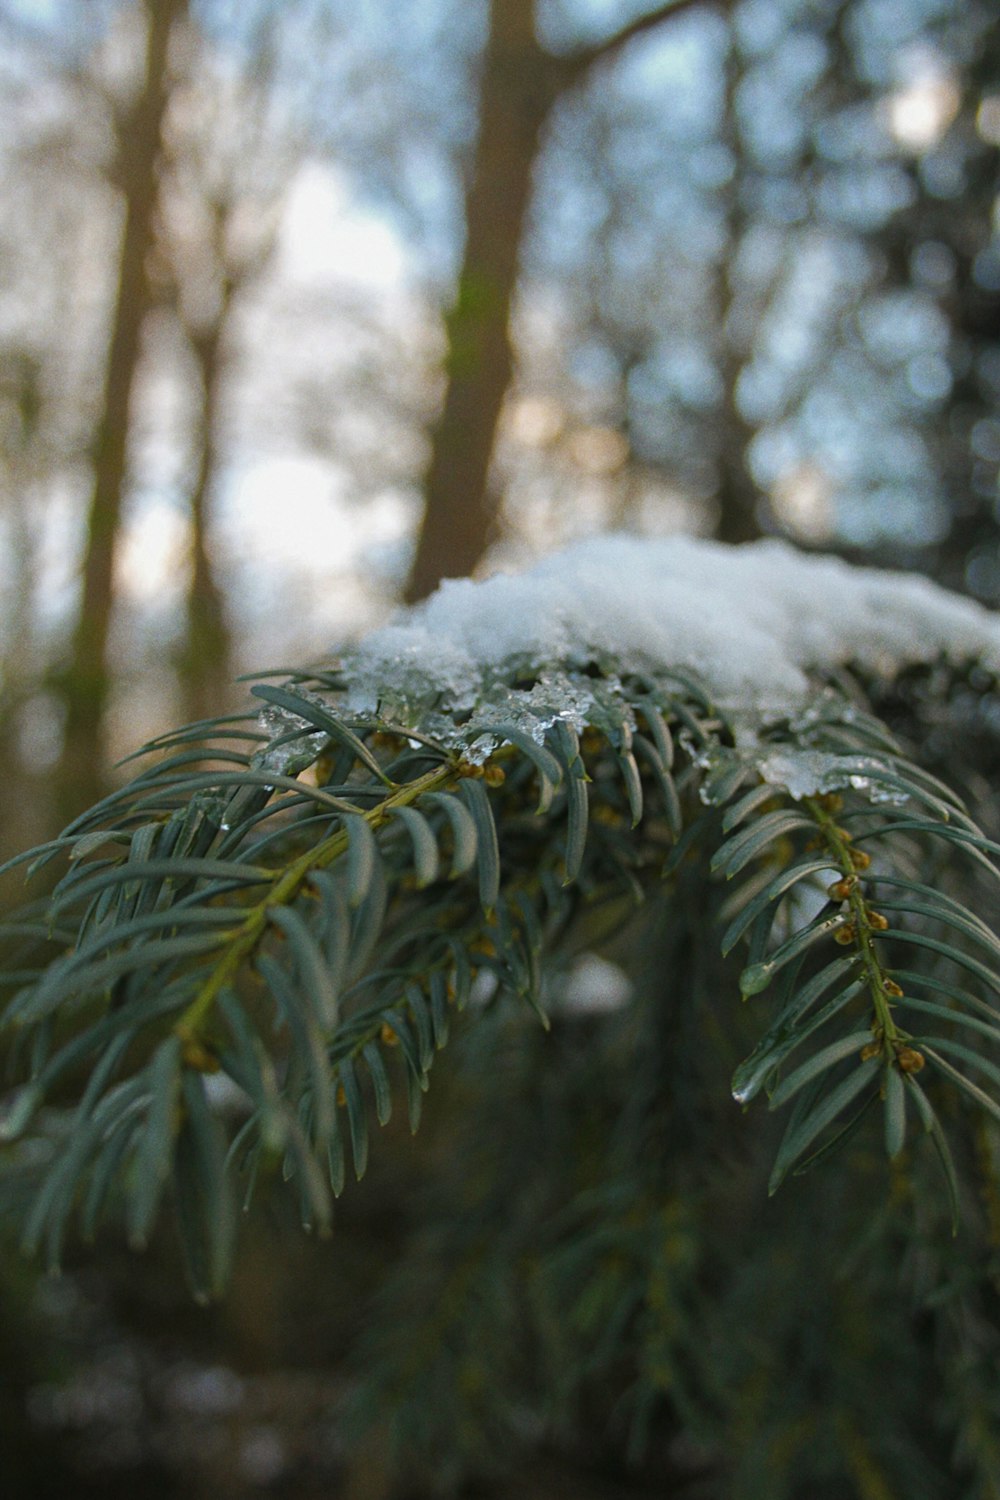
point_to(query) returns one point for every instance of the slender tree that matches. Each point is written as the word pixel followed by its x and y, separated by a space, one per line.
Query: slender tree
pixel 521 83
pixel 85 682
pixel 227 165
pixel 21 412
pixel 737 495
pixel 207 638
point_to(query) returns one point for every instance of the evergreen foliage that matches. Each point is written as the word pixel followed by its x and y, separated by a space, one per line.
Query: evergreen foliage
pixel 258 947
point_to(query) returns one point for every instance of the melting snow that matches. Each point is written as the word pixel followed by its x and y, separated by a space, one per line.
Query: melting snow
pixel 754 623
pixel 750 621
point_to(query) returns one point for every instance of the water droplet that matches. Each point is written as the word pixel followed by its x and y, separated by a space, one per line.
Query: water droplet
pixel 756 978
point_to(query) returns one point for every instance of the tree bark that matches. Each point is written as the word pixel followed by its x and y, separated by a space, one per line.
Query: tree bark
pixel 739 500
pixel 85 685
pixel 517 92
pixel 520 84
pixel 25 810
pixel 206 661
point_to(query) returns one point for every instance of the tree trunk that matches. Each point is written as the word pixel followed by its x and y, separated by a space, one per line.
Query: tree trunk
pixel 516 96
pixel 86 683
pixel 520 84
pixel 206 659
pixel 739 500
pixel 25 810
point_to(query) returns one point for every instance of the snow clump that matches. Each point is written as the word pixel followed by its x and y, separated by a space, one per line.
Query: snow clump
pixel 753 622
pixel 758 626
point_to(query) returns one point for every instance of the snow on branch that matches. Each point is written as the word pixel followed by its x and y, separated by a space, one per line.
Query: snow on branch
pixel 758 625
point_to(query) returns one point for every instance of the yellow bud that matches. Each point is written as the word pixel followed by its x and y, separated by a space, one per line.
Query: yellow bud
pixel 323 769
pixel 197 1057
pixel 910 1060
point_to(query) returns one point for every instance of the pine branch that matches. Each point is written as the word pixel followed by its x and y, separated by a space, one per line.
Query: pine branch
pixel 279 923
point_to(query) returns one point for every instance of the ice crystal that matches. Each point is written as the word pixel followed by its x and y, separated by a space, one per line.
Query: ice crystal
pixel 292 741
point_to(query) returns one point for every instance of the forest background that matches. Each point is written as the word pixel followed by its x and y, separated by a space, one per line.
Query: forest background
pixel 306 305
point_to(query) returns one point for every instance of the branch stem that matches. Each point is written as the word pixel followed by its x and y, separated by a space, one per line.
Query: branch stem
pixel 838 842
pixel 287 885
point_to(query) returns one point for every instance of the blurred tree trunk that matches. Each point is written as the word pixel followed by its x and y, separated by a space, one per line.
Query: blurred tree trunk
pixel 207 656
pixel 85 685
pixel 226 172
pixel 24 813
pixel 517 91
pixel 738 497
pixel 520 83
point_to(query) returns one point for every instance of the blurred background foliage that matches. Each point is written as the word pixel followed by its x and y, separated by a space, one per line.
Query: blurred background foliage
pixel 306 304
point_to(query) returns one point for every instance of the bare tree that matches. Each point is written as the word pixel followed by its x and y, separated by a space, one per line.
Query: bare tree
pixel 521 82
pixel 206 662
pixel 85 682
pixel 226 172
